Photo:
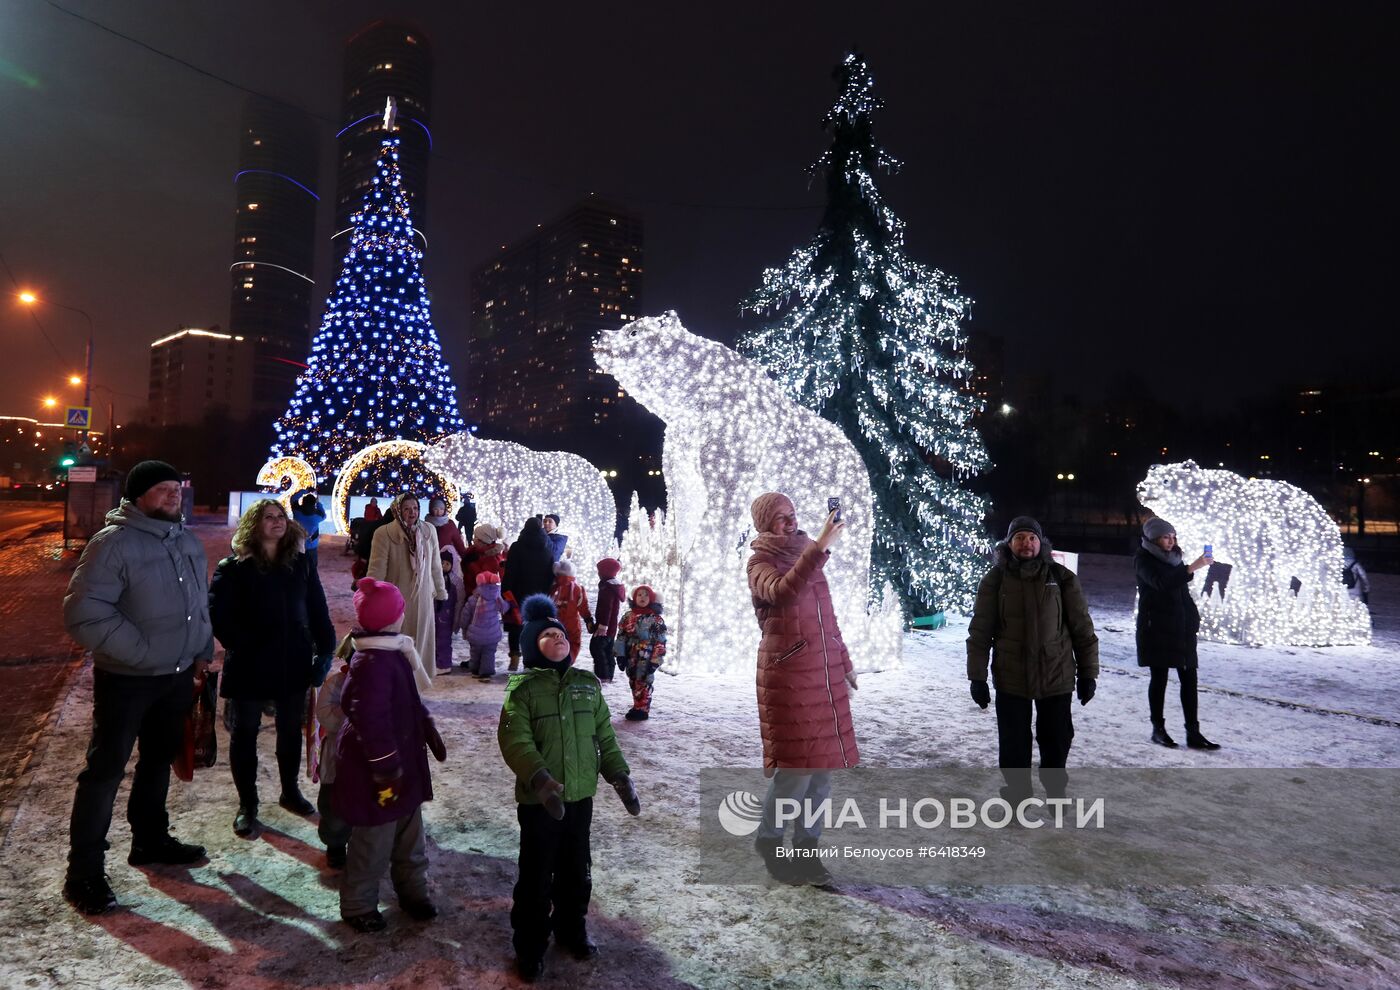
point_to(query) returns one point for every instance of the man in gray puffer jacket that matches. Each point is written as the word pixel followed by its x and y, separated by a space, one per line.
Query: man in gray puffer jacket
pixel 139 600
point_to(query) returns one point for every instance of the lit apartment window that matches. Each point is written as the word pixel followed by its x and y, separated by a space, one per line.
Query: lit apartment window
pixel 252 206
pixel 613 222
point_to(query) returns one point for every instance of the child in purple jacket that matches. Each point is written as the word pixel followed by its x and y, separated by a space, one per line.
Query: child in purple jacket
pixel 482 624
pixel 382 775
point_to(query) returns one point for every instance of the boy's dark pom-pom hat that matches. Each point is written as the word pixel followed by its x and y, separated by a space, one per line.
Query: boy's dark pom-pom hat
pixel 539 614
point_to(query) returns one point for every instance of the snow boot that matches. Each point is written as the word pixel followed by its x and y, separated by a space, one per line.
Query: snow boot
pixel 529 968
pixel 295 802
pixel 809 867
pixel 366 923
pixel 419 910
pixel 779 868
pixel 1194 739
pixel 514 662
pixel 90 896
pixel 1160 737
pixel 245 823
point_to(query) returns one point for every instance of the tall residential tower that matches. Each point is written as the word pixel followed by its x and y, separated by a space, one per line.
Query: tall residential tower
pixel 274 246
pixel 387 58
pixel 535 310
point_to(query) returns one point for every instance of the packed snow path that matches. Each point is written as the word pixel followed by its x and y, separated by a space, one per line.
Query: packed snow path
pixel 264 914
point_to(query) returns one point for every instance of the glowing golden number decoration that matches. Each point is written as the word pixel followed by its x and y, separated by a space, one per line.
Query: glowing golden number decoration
pixel 295 473
pixel 388 452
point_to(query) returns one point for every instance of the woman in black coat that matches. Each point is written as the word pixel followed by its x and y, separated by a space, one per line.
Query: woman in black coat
pixel 269 612
pixel 1167 621
pixel 529 570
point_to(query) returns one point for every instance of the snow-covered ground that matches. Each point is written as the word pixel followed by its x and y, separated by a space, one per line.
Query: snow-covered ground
pixel 263 914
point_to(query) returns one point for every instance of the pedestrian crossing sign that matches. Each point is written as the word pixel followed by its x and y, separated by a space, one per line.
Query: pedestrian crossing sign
pixel 77 417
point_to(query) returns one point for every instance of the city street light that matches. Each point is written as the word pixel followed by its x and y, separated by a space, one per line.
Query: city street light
pixel 30 299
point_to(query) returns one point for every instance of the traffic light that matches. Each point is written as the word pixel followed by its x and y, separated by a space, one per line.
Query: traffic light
pixel 69 457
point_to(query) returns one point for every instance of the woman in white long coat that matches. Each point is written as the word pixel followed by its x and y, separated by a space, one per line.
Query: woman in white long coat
pixel 405 553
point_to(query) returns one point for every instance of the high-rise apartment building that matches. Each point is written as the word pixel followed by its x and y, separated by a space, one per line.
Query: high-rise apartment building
pixel 387 58
pixel 274 246
pixel 535 310
pixel 196 372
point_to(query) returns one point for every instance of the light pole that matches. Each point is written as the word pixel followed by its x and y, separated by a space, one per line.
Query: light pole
pixel 30 299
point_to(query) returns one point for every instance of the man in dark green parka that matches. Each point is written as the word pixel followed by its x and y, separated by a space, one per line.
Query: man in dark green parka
pixel 557 737
pixel 1032 622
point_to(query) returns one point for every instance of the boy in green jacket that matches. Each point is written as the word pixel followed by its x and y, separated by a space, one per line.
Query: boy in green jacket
pixel 556 736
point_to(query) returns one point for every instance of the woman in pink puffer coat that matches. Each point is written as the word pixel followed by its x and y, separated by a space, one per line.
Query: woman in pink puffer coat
pixel 804 678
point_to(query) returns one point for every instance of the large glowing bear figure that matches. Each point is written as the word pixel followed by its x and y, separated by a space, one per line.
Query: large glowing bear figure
pixel 1285 555
pixel 731 435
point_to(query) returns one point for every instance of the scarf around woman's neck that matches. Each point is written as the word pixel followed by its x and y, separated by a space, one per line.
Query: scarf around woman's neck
pixel 785 548
pixel 1172 557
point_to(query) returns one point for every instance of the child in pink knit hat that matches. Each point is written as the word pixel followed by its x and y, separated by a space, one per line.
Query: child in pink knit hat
pixel 382 776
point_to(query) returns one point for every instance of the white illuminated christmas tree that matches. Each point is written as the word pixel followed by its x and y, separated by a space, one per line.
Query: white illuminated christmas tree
pixel 376 370
pixel 873 341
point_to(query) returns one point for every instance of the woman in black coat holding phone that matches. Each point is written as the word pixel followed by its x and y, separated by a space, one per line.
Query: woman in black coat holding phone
pixel 1167 621
pixel 269 612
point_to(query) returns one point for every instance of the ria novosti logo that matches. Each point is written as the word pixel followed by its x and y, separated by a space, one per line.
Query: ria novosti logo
pixel 740 813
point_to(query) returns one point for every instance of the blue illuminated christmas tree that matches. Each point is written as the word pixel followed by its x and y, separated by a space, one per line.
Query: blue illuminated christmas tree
pixel 376 370
pixel 873 341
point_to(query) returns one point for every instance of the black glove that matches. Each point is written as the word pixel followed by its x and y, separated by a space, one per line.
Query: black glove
pixel 320 667
pixel 980 693
pixel 1085 689
pixel 550 792
pixel 628 794
pixel 434 739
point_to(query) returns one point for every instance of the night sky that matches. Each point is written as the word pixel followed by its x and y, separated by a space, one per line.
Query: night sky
pixel 1203 194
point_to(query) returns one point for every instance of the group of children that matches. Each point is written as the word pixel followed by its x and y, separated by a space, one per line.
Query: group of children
pixel 555 734
pixel 634 642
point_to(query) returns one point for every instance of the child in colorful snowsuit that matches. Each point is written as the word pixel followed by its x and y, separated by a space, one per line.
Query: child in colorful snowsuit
pixel 481 623
pixel 381 774
pixel 641 647
pixel 556 736
pixel 332 829
pixel 448 613
pixel 571 601
pixel 611 595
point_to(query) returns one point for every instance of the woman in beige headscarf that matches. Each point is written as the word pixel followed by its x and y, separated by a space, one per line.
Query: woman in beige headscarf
pixel 405 553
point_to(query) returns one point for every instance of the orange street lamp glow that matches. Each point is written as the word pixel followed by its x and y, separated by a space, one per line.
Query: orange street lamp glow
pixel 28 298
pixel 75 379
pixel 50 402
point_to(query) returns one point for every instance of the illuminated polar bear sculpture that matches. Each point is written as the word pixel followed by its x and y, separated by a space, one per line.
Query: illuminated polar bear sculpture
pixel 1270 533
pixel 731 435
pixel 511 483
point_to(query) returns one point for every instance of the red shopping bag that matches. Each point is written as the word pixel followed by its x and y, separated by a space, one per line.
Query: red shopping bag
pixel 200 748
